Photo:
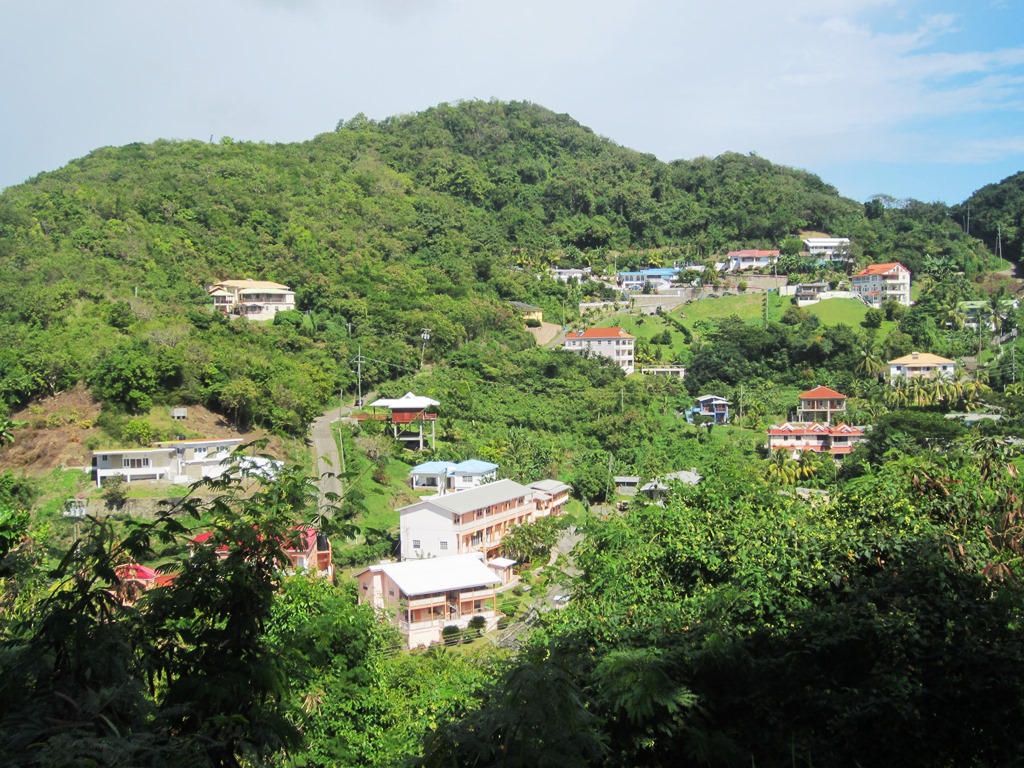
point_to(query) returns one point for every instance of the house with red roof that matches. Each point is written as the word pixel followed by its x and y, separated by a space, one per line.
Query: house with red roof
pixel 613 343
pixel 820 404
pixel 879 283
pixel 819 426
pixel 836 440
pixel 308 550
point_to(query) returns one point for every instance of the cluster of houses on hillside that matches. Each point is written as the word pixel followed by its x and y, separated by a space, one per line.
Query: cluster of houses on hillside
pixel 450 538
pixel 656 279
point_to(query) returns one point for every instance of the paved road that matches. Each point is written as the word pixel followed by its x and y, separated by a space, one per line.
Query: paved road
pixel 325 452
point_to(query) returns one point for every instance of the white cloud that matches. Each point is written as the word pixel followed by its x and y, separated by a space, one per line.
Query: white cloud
pixel 803 82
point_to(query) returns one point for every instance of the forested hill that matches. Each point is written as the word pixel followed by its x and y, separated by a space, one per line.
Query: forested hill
pixel 996 214
pixel 383 229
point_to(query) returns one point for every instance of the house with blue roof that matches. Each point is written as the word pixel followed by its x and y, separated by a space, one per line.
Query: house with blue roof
pixel 448 477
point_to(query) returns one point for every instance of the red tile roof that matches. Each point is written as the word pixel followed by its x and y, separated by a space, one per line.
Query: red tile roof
pixel 820 392
pixel 601 333
pixel 135 571
pixel 813 428
pixel 306 539
pixel 880 269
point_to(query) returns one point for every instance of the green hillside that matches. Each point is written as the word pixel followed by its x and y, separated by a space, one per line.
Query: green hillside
pixel 433 220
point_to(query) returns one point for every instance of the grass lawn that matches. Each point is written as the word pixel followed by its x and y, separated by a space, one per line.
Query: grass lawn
pixel 382 500
pixel 748 306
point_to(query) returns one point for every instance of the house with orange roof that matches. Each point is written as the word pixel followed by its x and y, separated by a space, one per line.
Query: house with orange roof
pixel 879 283
pixel 613 343
pixel 920 365
pixel 820 404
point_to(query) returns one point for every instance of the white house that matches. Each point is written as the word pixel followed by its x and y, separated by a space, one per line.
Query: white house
pixel 446 476
pixel 920 364
pixel 178 461
pixel 879 283
pixel 613 343
pixel 422 597
pixel 254 299
pixel 474 520
pixel 740 261
pixel 828 248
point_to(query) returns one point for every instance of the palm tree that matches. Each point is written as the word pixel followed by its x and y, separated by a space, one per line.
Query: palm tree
pixel 897 396
pixel 952 315
pixel 808 465
pixel 781 468
pixel 868 361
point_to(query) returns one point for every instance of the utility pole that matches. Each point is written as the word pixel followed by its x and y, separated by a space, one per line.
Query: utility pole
pixel 425 335
pixel 358 360
pixel 607 484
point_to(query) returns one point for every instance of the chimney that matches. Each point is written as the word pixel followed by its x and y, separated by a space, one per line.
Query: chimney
pixel 915 355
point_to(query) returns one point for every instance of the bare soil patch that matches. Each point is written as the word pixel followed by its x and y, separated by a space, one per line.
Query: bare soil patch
pixel 58 429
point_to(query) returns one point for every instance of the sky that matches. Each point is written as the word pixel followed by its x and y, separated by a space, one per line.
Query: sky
pixel 915 99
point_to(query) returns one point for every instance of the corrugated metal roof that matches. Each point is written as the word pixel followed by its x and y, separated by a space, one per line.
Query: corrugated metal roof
pixel 461 502
pixel 438 574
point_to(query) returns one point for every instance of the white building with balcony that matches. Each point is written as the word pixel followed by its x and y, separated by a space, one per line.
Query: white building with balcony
pixel 920 365
pixel 177 461
pixel 254 299
pixel 828 248
pixel 422 597
pixel 448 477
pixel 879 283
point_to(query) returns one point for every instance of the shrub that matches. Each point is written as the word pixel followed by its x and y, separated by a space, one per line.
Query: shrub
pixel 137 431
pixel 477 625
pixel 115 491
pixel 451 634
pixel 532 322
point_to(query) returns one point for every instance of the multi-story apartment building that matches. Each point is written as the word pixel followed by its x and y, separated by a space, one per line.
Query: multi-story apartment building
pixel 474 520
pixel 837 440
pixel 613 343
pixel 828 248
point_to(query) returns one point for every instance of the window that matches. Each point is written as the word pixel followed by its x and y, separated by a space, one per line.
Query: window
pixel 444 546
pixel 415 543
pixel 200 450
pixel 136 463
